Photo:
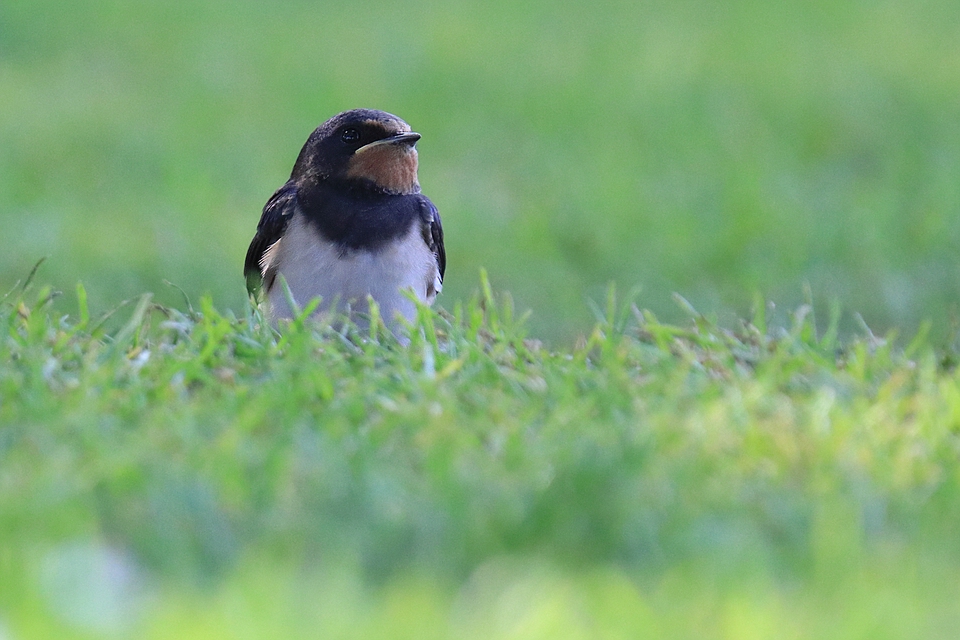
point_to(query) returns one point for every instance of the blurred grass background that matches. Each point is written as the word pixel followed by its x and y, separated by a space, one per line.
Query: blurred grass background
pixel 714 149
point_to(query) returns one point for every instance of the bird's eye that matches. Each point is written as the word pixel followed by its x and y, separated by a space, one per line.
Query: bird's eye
pixel 350 135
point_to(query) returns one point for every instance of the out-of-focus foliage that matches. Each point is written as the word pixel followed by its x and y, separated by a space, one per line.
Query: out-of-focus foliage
pixel 716 150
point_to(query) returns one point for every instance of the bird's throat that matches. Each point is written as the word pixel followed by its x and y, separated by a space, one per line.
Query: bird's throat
pixel 392 167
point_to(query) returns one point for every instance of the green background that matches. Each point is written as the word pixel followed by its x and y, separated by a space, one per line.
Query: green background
pixel 714 149
pixel 185 474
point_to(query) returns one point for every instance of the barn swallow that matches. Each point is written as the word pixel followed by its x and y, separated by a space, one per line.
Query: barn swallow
pixel 350 223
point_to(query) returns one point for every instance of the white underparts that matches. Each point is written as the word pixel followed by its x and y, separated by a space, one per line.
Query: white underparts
pixel 315 267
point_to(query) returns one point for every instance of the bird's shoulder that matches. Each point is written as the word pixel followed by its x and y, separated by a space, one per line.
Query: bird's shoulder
pixel 432 230
pixel 277 214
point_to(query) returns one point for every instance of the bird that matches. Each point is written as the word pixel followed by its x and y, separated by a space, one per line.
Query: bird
pixel 350 224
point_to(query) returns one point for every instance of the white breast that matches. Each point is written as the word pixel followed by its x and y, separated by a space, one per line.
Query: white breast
pixel 315 267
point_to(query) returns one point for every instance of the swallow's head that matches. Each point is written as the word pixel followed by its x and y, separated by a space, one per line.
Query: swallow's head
pixel 362 146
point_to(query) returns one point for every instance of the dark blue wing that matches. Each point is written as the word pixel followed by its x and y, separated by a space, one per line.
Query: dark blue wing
pixel 433 232
pixel 276 216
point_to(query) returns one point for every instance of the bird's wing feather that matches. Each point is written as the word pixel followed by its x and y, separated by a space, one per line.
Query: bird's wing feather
pixel 433 233
pixel 276 216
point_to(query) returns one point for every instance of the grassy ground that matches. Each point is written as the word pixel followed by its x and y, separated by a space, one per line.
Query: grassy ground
pixel 194 475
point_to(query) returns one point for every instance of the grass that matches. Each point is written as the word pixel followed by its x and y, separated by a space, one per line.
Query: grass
pixel 193 474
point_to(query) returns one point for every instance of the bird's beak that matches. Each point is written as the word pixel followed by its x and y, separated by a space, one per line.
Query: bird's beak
pixel 408 138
